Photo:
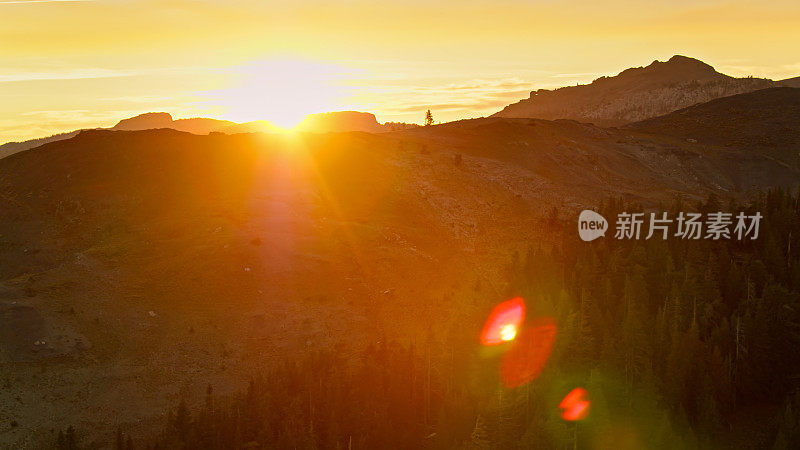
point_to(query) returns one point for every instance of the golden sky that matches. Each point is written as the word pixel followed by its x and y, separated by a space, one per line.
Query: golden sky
pixel 74 64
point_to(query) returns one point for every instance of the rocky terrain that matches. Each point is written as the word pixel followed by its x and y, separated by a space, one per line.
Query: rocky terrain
pixel 136 267
pixel 765 121
pixel 637 93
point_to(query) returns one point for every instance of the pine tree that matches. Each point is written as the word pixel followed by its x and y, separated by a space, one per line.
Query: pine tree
pixel 61 441
pixel 119 444
pixel 634 336
pixel 479 437
pixel 181 422
pixel 428 118
pixel 788 424
pixel 70 442
pixel 586 343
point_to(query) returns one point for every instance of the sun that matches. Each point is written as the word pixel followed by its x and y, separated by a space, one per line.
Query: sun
pixel 281 91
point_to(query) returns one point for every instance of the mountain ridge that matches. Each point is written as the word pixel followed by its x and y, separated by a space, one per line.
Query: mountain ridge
pixel 636 93
pixel 633 95
pixel 765 121
pixel 335 121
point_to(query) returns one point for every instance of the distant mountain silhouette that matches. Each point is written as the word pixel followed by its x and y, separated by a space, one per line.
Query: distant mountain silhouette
pixel 196 125
pixel 766 121
pixel 13 147
pixel 153 120
pixel 636 94
pixel 341 121
pixel 318 123
pixel 349 121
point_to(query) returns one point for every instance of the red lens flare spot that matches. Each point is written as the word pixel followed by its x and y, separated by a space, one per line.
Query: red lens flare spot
pixel 503 322
pixel 527 358
pixel 575 405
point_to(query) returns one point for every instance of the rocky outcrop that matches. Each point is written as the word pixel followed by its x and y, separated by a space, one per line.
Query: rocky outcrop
pixel 635 94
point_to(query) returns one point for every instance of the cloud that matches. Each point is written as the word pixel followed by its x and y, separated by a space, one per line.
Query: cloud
pixel 56 113
pixel 17 2
pixel 478 106
pixel 141 98
pixel 774 73
pixel 78 74
pixel 574 75
pixel 524 93
pixel 403 99
pixel 511 83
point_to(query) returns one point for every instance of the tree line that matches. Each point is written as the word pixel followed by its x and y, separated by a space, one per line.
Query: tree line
pixel 679 343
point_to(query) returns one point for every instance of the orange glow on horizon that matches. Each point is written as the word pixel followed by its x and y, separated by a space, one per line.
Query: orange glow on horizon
pixel 281 91
pixel 280 61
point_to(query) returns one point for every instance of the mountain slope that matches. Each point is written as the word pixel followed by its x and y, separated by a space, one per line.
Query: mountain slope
pixel 634 94
pixel 791 82
pixel 156 262
pixel 766 121
pixel 142 266
pixel 13 147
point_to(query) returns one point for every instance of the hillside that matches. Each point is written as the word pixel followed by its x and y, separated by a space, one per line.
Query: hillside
pixel 13 147
pixel 132 262
pixel 791 82
pixel 765 121
pixel 635 94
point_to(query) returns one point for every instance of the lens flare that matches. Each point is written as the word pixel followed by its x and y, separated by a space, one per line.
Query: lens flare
pixel 531 350
pixel 503 322
pixel 575 405
pixel 508 332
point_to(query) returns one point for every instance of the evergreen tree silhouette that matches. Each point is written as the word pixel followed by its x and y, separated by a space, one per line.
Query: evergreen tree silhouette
pixel 428 118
